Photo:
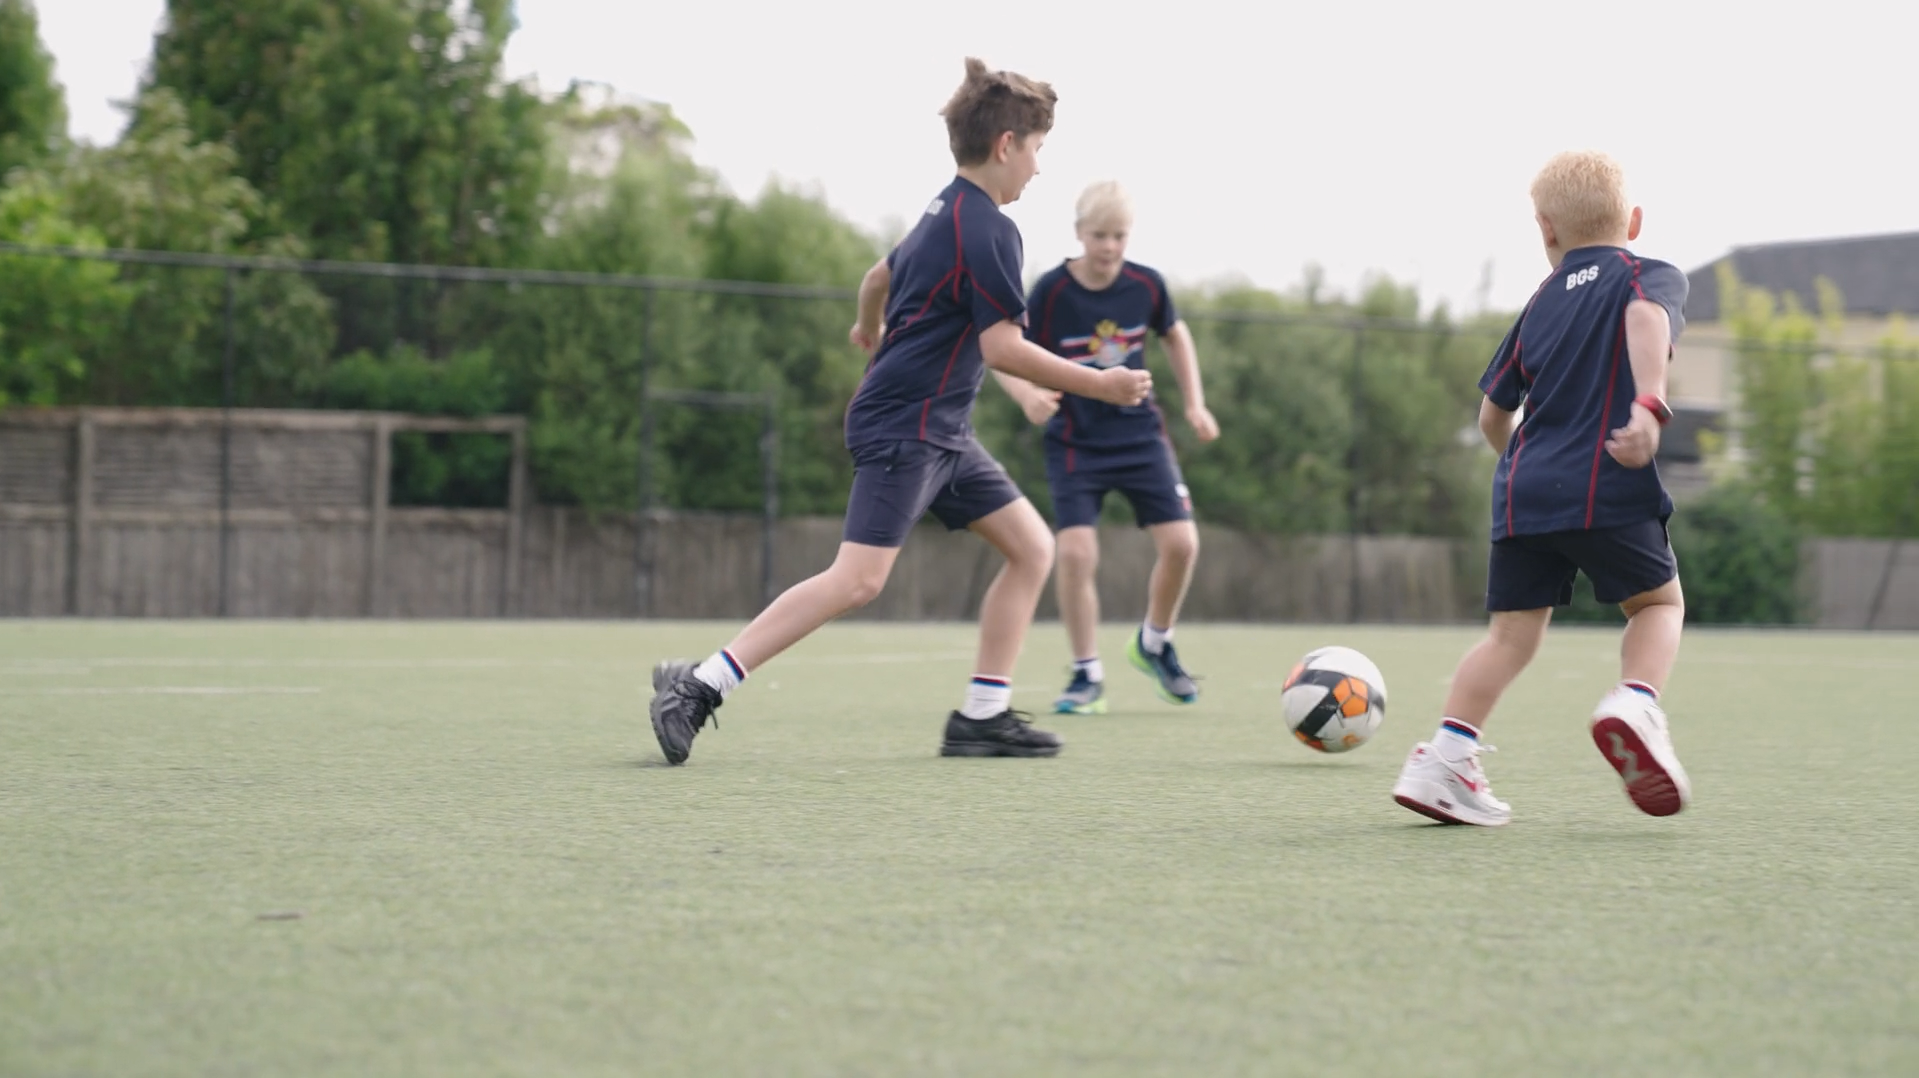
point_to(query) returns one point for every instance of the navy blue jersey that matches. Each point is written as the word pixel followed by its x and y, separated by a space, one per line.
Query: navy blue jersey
pixel 956 274
pixel 1104 328
pixel 1565 360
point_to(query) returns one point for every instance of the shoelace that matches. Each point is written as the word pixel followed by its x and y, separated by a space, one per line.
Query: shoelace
pixel 1169 658
pixel 712 700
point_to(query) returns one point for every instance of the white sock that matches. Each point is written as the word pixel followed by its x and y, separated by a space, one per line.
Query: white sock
pixel 1456 740
pixel 1151 640
pixel 721 671
pixel 987 697
pixel 1094 670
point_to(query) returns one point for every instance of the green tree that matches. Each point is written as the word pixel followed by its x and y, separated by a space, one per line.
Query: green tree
pixel 1826 435
pixel 380 129
pixel 160 188
pixel 33 112
pixel 1775 344
pixel 56 315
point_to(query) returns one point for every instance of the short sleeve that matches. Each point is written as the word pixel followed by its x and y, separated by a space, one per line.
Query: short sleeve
pixel 1034 301
pixel 1165 317
pixel 1504 382
pixel 1664 284
pixel 992 256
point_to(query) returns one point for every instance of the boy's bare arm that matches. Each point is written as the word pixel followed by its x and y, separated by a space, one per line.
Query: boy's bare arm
pixel 1038 404
pixel 1497 424
pixel 1183 356
pixel 1649 346
pixel 1006 349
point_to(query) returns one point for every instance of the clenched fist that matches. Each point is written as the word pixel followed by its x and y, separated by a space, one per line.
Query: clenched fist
pixel 1124 385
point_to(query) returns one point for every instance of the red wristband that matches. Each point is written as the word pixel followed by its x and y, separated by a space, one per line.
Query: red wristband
pixel 1657 406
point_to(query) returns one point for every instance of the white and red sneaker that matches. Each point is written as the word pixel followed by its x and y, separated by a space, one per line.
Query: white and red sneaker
pixel 1450 791
pixel 1629 727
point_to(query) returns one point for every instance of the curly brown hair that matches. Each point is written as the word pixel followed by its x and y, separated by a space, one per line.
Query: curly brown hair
pixel 989 104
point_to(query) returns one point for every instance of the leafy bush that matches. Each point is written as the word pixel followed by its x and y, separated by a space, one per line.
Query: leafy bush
pixel 1738 562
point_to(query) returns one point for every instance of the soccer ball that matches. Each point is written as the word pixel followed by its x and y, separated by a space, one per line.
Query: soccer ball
pixel 1334 700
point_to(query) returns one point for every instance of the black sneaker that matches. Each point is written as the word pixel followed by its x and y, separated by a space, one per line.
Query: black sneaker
pixel 681 705
pixel 1009 733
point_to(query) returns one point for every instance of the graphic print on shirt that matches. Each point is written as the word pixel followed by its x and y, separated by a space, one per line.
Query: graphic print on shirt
pixel 1107 346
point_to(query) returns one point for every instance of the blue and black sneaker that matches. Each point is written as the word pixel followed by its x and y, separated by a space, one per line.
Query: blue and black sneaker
pixel 1083 696
pixel 1176 686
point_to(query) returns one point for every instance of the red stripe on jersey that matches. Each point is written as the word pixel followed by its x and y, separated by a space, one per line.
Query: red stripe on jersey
pixel 959 247
pixel 1046 316
pixel 1605 423
pixel 927 408
pixel 1612 383
pixel 1143 279
pixel 924 307
pixel 1512 473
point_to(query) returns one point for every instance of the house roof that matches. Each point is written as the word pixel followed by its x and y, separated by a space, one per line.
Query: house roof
pixel 1876 275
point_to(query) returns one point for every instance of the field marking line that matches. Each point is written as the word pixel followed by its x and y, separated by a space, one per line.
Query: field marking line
pixel 45 666
pixel 171 690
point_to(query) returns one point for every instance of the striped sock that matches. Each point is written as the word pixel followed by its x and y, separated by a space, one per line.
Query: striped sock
pixel 988 696
pixel 1456 740
pixel 721 671
pixel 1641 688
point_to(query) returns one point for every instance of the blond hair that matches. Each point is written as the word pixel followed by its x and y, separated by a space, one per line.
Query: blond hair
pixel 991 103
pixel 1103 201
pixel 1583 194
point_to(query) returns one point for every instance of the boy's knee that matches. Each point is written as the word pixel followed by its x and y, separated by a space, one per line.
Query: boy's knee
pixel 1077 553
pixel 858 580
pixel 863 588
pixel 1520 631
pixel 1034 553
pixel 1180 545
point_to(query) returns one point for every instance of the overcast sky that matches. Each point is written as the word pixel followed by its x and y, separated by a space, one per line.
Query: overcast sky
pixel 1367 137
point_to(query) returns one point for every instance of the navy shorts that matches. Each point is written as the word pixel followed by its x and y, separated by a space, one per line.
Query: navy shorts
pixel 1532 572
pixel 1147 476
pixel 897 483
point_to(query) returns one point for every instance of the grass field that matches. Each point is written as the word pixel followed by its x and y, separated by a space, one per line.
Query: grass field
pixel 494 873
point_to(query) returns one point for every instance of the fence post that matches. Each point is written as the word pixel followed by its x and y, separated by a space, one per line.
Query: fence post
pixel 769 467
pixel 226 449
pixel 515 523
pixel 80 553
pixel 1353 484
pixel 642 554
pixel 376 516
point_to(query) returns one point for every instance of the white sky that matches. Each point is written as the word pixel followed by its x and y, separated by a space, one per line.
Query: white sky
pixel 1395 137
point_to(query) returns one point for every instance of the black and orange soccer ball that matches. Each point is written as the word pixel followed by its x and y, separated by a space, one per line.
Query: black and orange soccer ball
pixel 1334 700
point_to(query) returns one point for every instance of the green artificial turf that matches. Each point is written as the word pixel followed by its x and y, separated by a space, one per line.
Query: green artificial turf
pixel 473 862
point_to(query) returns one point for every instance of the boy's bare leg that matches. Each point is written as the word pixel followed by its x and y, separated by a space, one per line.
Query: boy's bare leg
pixel 1006 612
pixel 685 694
pixel 1629 727
pixel 1495 663
pixel 1077 588
pixel 986 724
pixel 1176 544
pixel 1654 621
pixel 854 579
pixel 1442 778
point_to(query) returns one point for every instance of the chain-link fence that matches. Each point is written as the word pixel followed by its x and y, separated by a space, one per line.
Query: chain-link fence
pixel 681 445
